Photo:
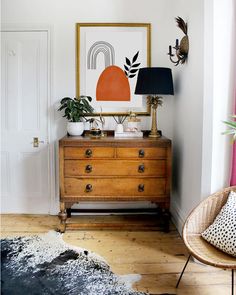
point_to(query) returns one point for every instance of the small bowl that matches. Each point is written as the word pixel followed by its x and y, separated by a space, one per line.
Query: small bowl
pixel 95 133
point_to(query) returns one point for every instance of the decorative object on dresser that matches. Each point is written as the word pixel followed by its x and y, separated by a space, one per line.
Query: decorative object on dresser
pixel 152 82
pixel 133 123
pixel 75 110
pixel 94 130
pixel 119 121
pixel 182 48
pixel 132 129
pixel 114 170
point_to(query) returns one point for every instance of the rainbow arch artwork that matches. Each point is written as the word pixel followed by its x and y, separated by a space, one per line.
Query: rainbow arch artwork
pixel 112 84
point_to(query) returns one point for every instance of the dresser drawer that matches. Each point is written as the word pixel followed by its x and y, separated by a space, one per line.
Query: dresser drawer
pixel 145 153
pixel 115 187
pixel 88 152
pixel 115 167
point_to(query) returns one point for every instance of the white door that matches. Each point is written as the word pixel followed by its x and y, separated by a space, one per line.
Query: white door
pixel 25 184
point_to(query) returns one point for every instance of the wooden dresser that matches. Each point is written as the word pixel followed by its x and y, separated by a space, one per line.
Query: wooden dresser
pixel 112 169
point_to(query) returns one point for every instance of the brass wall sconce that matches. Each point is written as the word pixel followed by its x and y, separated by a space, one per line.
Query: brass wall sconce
pixel 181 49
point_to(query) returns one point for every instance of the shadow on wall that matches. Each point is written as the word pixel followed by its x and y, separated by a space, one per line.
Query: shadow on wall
pixel 177 150
pixel 177 83
pixel 177 171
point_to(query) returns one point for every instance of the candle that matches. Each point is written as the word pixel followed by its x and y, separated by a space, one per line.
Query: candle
pixel 177 43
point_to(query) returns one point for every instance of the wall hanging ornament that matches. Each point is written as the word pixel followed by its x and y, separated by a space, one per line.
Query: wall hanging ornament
pixel 181 48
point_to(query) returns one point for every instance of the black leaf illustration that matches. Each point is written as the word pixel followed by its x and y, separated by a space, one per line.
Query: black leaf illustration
pixel 135 57
pixel 131 68
pixel 135 65
pixel 131 76
pixel 128 61
pixel 133 71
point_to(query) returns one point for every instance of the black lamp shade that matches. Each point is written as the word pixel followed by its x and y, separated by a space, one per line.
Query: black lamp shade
pixel 154 81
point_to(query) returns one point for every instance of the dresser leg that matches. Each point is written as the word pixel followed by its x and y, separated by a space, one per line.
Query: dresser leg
pixel 164 217
pixel 68 211
pixel 166 220
pixel 62 215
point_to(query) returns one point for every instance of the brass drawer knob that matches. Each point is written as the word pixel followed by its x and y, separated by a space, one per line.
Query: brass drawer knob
pixel 141 187
pixel 88 169
pixel 88 188
pixel 141 153
pixel 141 168
pixel 88 153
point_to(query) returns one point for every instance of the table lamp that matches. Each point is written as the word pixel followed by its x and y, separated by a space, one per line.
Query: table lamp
pixel 153 82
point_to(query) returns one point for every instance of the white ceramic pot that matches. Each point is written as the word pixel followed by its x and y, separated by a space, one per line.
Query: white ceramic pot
pixel 119 128
pixel 75 128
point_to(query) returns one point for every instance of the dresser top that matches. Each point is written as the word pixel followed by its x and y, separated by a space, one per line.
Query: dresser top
pixel 113 141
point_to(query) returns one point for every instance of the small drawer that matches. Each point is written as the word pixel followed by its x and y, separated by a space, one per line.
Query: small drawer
pixel 115 168
pixel 115 186
pixel 88 152
pixel 142 153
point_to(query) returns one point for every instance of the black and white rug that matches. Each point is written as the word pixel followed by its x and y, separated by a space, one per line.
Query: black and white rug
pixel 46 265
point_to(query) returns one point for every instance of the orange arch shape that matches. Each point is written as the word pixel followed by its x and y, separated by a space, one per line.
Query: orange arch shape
pixel 113 85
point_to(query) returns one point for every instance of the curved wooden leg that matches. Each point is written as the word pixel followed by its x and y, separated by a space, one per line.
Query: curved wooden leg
pixel 62 215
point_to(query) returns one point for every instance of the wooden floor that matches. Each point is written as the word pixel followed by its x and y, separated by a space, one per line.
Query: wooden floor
pixel 157 256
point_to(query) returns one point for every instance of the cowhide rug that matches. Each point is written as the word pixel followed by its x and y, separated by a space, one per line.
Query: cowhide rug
pixel 46 265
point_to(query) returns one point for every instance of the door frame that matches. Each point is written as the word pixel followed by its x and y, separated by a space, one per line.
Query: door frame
pixel 53 207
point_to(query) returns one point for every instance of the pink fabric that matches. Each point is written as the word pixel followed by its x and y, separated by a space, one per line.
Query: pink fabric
pixel 233 173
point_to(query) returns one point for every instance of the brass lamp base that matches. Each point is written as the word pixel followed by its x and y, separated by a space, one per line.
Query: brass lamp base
pixel 154 135
pixel 154 131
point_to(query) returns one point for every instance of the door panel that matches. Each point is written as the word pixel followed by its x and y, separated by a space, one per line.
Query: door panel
pixel 24 113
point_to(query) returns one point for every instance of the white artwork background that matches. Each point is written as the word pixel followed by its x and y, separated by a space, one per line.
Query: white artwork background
pixel 125 44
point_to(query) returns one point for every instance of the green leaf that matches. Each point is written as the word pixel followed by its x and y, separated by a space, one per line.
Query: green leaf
pixel 230 123
pixel 65 99
pixel 87 99
pixel 229 132
pixel 74 109
pixel 61 108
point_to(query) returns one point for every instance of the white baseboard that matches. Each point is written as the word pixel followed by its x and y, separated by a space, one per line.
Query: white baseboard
pixel 178 217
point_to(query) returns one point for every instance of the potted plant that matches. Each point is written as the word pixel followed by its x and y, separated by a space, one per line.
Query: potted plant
pixel 231 127
pixel 75 110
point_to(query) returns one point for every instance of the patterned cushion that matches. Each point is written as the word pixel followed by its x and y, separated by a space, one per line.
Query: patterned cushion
pixel 222 232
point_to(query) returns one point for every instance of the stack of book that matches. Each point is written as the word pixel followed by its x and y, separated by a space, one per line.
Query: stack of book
pixel 127 134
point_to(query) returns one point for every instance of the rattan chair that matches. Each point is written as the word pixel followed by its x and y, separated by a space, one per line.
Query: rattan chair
pixel 197 221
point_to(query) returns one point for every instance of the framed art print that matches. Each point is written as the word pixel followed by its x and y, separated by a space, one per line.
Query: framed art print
pixel 109 56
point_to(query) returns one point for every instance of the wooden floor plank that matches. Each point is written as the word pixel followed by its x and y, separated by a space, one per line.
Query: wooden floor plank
pixel 157 256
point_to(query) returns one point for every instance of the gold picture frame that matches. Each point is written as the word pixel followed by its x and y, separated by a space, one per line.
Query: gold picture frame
pixel 126 46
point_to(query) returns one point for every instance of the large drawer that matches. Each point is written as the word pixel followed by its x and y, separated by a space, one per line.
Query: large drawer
pixel 88 152
pixel 146 153
pixel 115 167
pixel 115 186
